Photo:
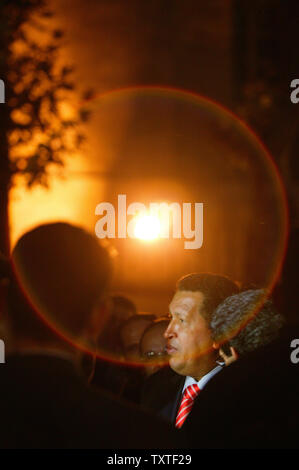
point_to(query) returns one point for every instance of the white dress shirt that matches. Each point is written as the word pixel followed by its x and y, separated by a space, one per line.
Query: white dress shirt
pixel 204 380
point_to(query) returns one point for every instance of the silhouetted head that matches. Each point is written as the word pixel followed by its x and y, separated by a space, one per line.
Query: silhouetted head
pixel 60 278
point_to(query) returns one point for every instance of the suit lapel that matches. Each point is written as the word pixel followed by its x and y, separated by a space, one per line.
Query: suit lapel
pixel 170 406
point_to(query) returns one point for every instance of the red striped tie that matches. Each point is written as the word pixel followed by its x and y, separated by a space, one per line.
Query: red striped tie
pixel 189 395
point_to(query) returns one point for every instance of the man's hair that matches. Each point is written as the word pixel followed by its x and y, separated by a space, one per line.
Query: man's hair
pixel 252 321
pixel 60 271
pixel 123 305
pixel 214 287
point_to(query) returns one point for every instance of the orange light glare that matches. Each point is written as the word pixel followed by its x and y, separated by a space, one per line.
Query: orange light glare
pixel 147 227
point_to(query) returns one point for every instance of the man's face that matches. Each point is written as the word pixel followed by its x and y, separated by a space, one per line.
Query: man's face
pixel 188 334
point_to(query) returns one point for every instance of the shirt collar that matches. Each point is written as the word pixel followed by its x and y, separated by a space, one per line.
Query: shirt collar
pixel 204 380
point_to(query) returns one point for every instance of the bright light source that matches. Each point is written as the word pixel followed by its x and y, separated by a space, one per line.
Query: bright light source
pixel 147 227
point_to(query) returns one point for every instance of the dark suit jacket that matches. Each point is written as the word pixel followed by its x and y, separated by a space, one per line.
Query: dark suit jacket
pixel 121 380
pixel 45 404
pixel 162 393
pixel 253 403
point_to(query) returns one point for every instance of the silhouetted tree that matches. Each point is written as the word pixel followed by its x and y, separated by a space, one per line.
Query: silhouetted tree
pixel 38 125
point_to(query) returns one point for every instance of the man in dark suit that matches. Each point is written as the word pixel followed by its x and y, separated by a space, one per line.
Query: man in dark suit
pixel 56 309
pixel 189 343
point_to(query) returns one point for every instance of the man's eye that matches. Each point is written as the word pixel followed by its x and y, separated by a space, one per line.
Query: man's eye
pixel 181 320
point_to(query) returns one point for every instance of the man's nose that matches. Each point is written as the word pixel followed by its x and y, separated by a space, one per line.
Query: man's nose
pixel 169 331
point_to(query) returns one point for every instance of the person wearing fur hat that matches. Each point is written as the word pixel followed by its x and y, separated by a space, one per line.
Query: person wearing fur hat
pixel 253 402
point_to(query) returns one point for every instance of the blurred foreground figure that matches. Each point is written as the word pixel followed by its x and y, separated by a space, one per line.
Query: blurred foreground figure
pixel 253 402
pixel 120 310
pixel 109 369
pixel 61 275
pixel 131 373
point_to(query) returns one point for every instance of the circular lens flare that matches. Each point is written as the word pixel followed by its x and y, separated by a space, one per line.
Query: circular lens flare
pixel 147 227
pixel 188 149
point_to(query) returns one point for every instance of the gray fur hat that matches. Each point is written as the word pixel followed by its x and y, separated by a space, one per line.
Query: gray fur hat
pixel 246 320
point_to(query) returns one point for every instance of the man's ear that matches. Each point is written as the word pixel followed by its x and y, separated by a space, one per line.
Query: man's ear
pixel 216 345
